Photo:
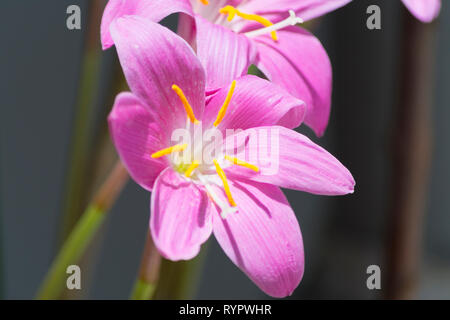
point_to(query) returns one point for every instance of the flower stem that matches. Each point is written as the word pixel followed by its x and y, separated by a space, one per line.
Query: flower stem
pixel 84 116
pixel 83 232
pixel 412 155
pixel 147 280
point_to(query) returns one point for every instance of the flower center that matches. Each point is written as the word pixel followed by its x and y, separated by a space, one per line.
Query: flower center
pixel 192 166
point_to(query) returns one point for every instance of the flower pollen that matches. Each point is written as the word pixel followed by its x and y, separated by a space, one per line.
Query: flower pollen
pixel 225 105
pixel 226 187
pixel 169 150
pixel 241 163
pixel 232 12
pixel 187 106
pixel 191 168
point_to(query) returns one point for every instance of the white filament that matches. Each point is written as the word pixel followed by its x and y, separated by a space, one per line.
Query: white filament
pixel 291 21
pixel 225 209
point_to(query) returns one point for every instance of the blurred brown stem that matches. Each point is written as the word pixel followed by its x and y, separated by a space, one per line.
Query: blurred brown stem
pixel 83 233
pixel 412 154
pixel 148 272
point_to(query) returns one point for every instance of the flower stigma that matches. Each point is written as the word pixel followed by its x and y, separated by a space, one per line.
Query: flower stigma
pixel 292 20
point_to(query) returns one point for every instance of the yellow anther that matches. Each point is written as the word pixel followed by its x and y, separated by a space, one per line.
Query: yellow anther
pixel 191 168
pixel 163 152
pixel 225 105
pixel 205 2
pixel 232 12
pixel 226 187
pixel 238 162
pixel 185 102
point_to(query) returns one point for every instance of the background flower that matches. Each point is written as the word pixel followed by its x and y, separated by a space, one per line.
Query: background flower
pixel 424 10
pixel 297 61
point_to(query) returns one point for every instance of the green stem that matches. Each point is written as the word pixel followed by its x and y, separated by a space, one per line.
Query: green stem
pixel 83 232
pixel 71 251
pixel 75 193
pixel 143 290
pixel 148 277
pixel 178 280
pixel 78 178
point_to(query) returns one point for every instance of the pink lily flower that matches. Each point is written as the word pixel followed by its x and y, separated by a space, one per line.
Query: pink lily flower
pixel 424 10
pixel 233 199
pixel 230 35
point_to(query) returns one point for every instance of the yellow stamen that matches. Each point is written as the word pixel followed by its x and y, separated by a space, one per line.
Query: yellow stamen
pixel 238 162
pixel 185 102
pixel 191 168
pixel 226 187
pixel 232 12
pixel 225 105
pixel 163 152
pixel 205 2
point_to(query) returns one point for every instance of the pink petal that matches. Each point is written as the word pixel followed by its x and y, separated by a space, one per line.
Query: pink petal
pixel 255 102
pixel 186 29
pixel 424 10
pixel 180 220
pixel 290 160
pixel 225 54
pixel 154 58
pixel 263 238
pixel 299 63
pixel 153 10
pixel 211 11
pixel 136 136
pixel 277 10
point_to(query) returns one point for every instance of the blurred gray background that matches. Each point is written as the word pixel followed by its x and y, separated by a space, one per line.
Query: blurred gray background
pixel 40 63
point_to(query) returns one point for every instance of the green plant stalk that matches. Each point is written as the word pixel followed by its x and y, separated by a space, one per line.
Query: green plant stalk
pixel 148 276
pixel 143 290
pixel 83 232
pixel 71 251
pixel 75 194
pixel 178 280
pixel 77 185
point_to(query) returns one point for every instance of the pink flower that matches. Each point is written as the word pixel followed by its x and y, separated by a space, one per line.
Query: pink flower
pixel 235 200
pixel 424 10
pixel 226 48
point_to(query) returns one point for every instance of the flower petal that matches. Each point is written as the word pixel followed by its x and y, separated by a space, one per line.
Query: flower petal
pixel 154 58
pixel 288 159
pixel 153 10
pixel 299 63
pixel 136 136
pixel 224 54
pixel 424 10
pixel 255 102
pixel 263 238
pixel 180 220
pixel 277 10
